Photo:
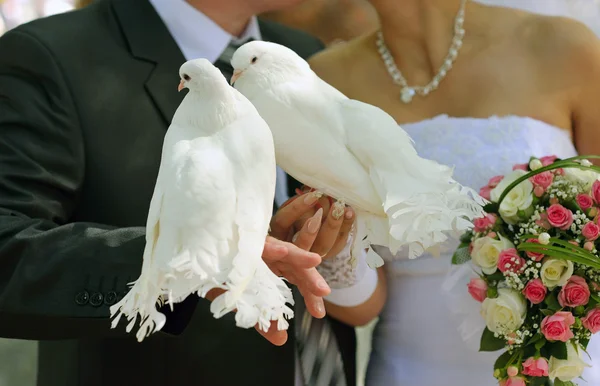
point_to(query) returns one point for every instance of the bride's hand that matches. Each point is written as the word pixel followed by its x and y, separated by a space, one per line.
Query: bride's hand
pixel 333 236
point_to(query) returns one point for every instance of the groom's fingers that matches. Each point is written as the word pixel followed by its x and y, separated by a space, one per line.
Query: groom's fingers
pixel 276 337
pixel 314 304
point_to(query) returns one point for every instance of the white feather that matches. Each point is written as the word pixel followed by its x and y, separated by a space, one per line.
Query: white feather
pixel 210 212
pixel 354 152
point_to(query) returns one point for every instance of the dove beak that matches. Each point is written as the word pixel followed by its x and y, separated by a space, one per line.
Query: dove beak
pixel 181 86
pixel 235 76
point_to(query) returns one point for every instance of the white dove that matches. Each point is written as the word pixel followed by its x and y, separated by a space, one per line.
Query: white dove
pixel 210 211
pixel 354 152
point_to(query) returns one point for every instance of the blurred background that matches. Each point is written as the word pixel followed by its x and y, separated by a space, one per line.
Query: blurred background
pixel 332 21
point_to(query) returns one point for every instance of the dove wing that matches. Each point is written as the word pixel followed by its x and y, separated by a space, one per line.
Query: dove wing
pixel 313 149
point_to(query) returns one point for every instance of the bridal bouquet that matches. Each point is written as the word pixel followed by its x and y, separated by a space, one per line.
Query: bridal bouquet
pixel 536 253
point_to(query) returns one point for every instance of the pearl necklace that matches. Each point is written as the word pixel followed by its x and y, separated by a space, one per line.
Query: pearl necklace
pixel 407 92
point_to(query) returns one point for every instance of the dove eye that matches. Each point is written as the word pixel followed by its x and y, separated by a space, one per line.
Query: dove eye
pixel 253 60
pixel 186 77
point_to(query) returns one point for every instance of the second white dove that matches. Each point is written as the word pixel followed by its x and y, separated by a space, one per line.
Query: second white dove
pixel 355 153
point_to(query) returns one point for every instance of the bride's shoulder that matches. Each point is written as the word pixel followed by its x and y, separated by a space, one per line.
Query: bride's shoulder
pixel 560 43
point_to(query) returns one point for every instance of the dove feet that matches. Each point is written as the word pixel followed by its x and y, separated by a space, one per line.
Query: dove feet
pixel 339 208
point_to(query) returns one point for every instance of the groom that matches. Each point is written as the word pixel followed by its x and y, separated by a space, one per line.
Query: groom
pixel 85 99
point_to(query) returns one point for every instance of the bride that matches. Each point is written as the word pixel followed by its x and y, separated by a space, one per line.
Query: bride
pixel 499 85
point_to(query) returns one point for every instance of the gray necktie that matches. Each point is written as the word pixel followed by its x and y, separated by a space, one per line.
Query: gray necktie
pixel 320 357
pixel 224 61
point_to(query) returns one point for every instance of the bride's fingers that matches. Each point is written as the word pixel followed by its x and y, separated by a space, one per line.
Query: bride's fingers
pixel 342 237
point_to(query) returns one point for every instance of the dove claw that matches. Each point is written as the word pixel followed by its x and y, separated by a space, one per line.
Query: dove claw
pixel 339 208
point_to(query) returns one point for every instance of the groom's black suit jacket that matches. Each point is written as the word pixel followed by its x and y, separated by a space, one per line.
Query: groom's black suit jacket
pixel 85 100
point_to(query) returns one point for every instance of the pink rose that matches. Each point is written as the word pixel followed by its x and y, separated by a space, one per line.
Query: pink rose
pixel 483 223
pixel 575 293
pixel 509 260
pixel 485 192
pixel 596 191
pixel 478 289
pixel 595 286
pixel 535 367
pixel 494 181
pixel 559 216
pixel 512 381
pixel 543 179
pixel 534 255
pixel 547 160
pixel 584 201
pixel 535 291
pixel 558 326
pixel 521 167
pixel 590 231
pixel 592 320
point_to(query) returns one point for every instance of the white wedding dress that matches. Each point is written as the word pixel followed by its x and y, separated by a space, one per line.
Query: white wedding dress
pixel 416 342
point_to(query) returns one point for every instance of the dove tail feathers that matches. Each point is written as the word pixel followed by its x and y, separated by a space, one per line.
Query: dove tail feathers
pixel 159 282
pixel 423 205
pixel 141 301
pixel 253 289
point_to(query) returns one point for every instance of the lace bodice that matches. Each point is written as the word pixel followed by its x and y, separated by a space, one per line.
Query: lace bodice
pixel 479 149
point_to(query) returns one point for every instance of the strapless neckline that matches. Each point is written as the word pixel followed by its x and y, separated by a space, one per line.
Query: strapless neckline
pixel 500 118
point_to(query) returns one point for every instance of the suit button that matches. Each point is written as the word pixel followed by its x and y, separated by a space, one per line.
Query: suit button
pixel 110 298
pixel 96 299
pixel 82 298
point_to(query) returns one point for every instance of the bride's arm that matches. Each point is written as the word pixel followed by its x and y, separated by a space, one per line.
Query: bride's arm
pixel 365 312
pixel 586 111
pixel 358 293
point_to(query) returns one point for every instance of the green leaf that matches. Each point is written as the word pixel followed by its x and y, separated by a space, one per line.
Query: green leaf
pixel 552 302
pixel 584 342
pixel 557 349
pixel 496 276
pixel 490 343
pixel 558 382
pixel 503 360
pixel 546 312
pixel 491 207
pixel 461 256
pixel 536 338
pixel 539 381
pixel 466 238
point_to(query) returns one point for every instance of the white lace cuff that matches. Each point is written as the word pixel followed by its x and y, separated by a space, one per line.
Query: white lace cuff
pixel 351 284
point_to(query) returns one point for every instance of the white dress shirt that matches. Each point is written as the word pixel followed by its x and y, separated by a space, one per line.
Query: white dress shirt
pixel 199 37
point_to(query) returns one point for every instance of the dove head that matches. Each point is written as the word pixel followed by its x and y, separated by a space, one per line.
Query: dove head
pixel 265 64
pixel 199 75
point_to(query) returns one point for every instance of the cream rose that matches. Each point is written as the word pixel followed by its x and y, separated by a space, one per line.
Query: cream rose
pixel 556 272
pixel 580 176
pixel 486 251
pixel 567 369
pixel 520 198
pixel 505 313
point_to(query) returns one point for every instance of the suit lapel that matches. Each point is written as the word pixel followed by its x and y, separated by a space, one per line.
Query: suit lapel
pixel 149 40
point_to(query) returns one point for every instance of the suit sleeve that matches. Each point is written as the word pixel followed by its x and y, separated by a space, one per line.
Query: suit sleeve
pixel 57 278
